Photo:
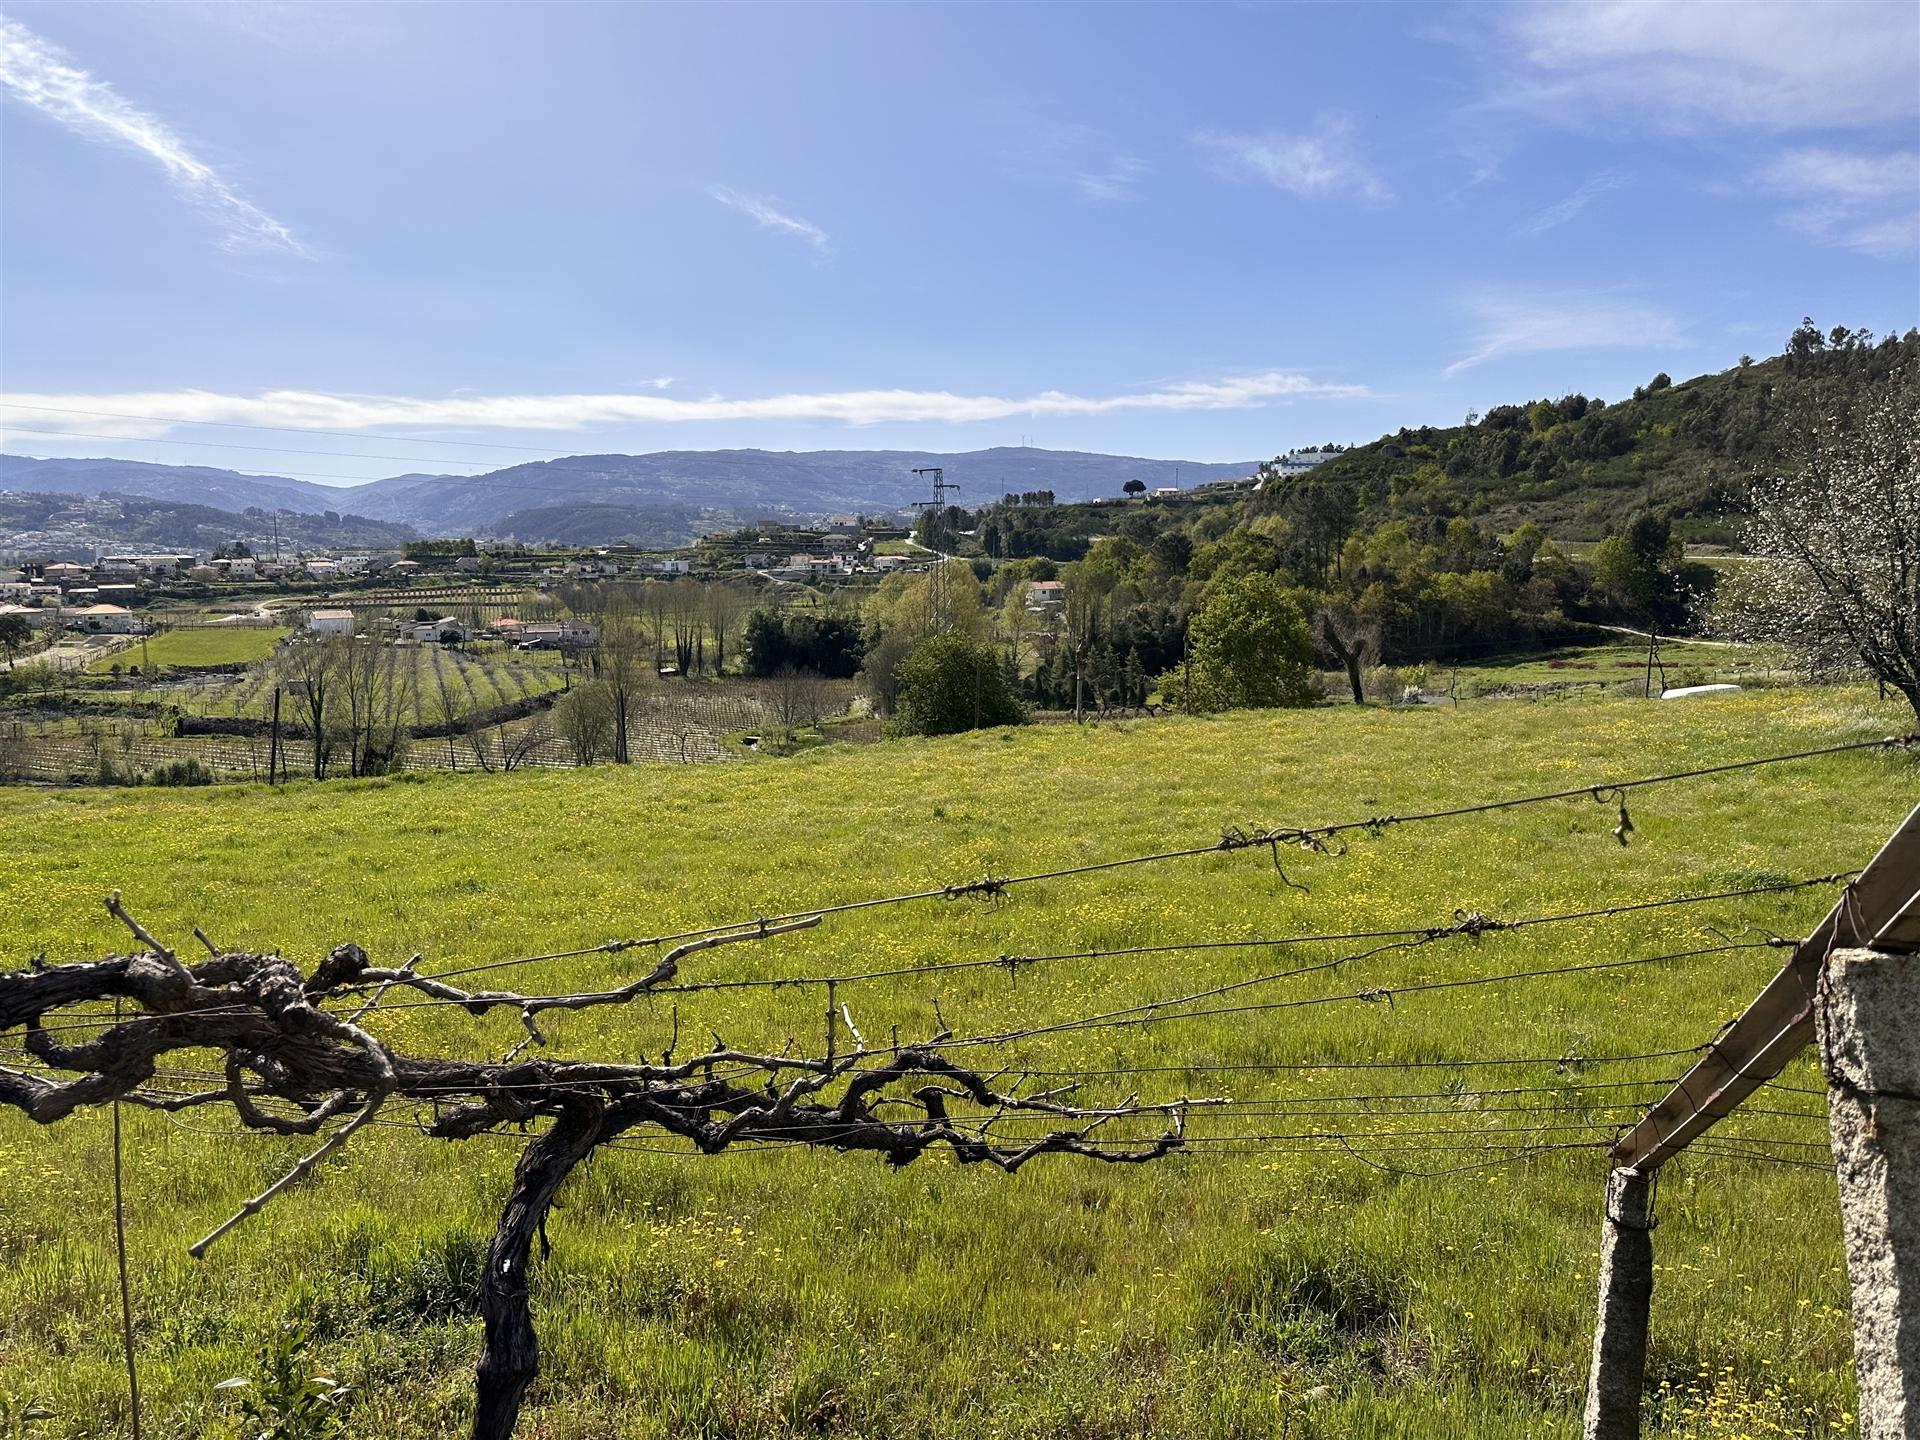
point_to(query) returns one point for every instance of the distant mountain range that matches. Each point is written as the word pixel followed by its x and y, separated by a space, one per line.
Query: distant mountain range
pixel 668 497
pixel 73 527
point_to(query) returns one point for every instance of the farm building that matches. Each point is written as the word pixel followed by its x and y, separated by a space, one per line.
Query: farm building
pixel 331 622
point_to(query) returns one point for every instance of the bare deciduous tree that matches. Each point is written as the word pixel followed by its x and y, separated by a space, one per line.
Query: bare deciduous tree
pixel 656 598
pixel 621 655
pixel 1350 640
pixel 685 605
pixel 799 698
pixel 584 718
pixel 451 705
pixel 725 605
pixel 1835 544
pixel 310 667
pixel 377 690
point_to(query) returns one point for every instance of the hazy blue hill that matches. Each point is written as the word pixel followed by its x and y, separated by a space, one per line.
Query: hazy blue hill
pixel 670 494
pixel 184 484
pixel 140 522
pixel 732 485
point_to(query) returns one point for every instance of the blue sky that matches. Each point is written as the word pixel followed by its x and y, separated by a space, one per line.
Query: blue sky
pixel 1196 232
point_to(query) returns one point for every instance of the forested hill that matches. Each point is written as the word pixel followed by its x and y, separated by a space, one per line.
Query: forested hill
pixel 1579 468
pixel 69 527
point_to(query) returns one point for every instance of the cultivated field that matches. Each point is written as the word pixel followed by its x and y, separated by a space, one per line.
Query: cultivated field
pixel 1415 1266
pixel 201 645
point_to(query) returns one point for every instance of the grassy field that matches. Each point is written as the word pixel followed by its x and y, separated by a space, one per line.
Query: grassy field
pixel 203 645
pixel 1686 662
pixel 1242 1289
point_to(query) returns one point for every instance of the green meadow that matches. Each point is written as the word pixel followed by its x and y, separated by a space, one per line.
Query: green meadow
pixel 202 645
pixel 1368 1267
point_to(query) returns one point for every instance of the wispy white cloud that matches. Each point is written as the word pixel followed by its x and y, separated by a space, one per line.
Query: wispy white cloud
pixel 167 409
pixel 1065 154
pixel 1869 203
pixel 1505 322
pixel 1116 181
pixel 1682 65
pixel 41 76
pixel 1322 164
pixel 1561 211
pixel 771 217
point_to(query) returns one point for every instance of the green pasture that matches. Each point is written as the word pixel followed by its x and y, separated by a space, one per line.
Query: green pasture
pixel 1686 662
pixel 202 645
pixel 1388 1284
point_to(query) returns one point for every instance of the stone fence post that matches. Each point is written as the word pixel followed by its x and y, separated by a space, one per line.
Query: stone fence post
pixel 1869 1008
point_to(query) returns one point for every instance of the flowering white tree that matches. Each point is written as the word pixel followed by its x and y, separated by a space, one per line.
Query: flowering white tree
pixel 1835 573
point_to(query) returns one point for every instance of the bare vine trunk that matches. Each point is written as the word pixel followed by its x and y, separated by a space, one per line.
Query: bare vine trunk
pixel 510 1354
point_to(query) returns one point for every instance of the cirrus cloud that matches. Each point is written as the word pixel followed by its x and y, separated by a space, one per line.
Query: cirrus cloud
pixel 1869 203
pixel 1524 321
pixel 770 217
pixel 42 77
pixel 1681 65
pixel 1324 163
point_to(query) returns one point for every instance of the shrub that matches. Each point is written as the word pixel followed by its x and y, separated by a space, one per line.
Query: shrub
pixel 180 772
pixel 952 682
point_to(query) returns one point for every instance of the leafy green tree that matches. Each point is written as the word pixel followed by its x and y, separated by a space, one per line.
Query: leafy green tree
pixel 1638 568
pixel 15 632
pixel 953 682
pixel 1171 551
pixel 1135 487
pixel 1251 648
pixel 907 609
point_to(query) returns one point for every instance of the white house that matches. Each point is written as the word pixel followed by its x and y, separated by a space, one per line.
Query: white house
pixel 447 631
pixel 1046 594
pixel 331 622
pixel 32 614
pixel 102 620
pixel 322 569
pixel 1298 462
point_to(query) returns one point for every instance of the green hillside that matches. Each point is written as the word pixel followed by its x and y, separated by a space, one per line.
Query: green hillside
pixel 1579 469
pixel 1387 1284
